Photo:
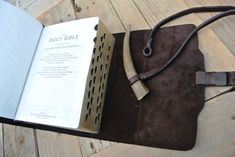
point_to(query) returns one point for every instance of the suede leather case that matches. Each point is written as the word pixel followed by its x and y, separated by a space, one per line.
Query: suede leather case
pixel 167 116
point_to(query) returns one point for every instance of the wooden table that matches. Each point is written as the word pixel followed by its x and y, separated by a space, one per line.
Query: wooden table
pixel 216 128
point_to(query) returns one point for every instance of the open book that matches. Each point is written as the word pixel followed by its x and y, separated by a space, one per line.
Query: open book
pixel 54 75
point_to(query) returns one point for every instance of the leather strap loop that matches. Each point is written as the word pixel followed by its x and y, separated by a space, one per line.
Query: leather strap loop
pixel 134 79
pixel 215 78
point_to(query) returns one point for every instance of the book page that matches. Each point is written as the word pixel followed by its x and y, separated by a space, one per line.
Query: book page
pixel 55 87
pixel 19 36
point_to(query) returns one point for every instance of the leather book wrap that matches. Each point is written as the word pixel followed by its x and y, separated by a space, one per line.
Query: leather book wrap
pixel 167 116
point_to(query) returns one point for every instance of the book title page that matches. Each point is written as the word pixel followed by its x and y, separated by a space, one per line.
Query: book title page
pixel 55 87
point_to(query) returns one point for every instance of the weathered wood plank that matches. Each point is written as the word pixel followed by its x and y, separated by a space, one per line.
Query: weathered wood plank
pixel 49 12
pixel 59 11
pixel 216 132
pixel 19 141
pixel 215 54
pixel 91 146
pixel 11 1
pixel 224 28
pixel 101 8
pixel 52 144
pixel 1 141
pixel 155 11
pixel 24 3
pixel 39 7
pixel 126 10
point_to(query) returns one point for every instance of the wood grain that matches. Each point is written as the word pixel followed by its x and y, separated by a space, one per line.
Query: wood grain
pixel 38 7
pixel 53 144
pixel 19 141
pixel 1 141
pixel 49 12
pixel 224 27
pixel 24 3
pixel 155 11
pixel 101 8
pixel 91 146
pixel 11 1
pixel 61 12
pixel 129 14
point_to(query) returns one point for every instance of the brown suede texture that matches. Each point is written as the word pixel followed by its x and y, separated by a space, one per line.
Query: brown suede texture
pixel 167 116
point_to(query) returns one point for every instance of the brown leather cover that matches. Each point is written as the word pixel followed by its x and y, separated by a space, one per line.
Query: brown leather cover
pixel 167 116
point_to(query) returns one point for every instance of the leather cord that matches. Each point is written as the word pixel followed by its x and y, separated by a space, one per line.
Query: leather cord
pixel 148 49
pixel 228 10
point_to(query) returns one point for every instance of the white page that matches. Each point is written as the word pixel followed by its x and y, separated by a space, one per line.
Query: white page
pixel 19 35
pixel 55 87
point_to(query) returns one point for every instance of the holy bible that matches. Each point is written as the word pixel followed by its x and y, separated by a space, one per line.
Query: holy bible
pixel 54 75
